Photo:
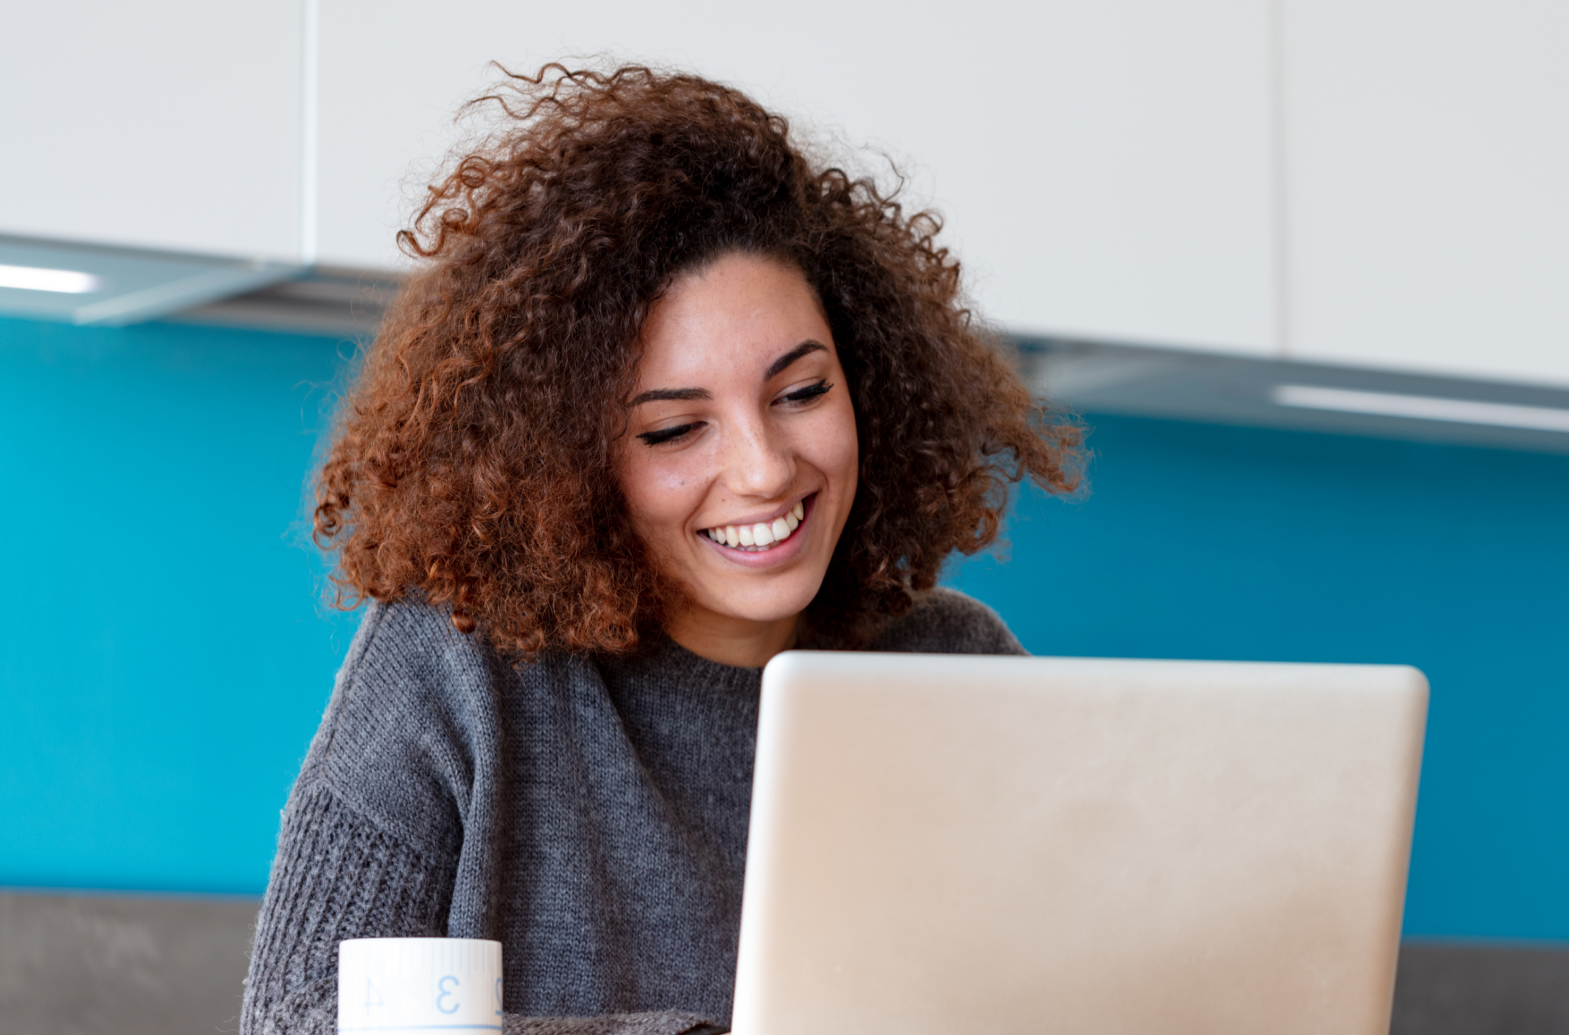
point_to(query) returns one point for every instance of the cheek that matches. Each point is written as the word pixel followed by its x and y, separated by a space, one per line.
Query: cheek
pixel 835 449
pixel 657 492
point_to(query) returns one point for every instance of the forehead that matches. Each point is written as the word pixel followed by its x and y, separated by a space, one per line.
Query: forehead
pixel 738 312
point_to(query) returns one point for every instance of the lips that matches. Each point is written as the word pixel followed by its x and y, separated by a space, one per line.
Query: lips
pixel 761 535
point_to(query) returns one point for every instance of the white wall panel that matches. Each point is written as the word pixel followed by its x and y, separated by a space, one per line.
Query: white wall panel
pixel 1428 185
pixel 165 124
pixel 1104 164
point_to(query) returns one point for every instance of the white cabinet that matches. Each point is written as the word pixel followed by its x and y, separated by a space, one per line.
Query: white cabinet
pixel 1137 172
pixel 1104 165
pixel 1428 185
pixel 169 124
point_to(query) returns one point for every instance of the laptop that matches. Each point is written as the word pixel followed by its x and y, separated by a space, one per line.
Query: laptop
pixel 946 843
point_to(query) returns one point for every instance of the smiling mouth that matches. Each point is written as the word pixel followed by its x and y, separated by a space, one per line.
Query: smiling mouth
pixel 761 536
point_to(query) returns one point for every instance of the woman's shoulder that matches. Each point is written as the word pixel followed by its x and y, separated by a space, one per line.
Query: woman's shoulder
pixel 410 722
pixel 410 672
pixel 411 644
pixel 945 621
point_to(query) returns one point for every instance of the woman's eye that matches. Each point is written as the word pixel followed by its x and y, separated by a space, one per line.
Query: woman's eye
pixel 664 435
pixel 808 393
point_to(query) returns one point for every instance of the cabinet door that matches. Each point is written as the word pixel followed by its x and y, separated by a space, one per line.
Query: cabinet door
pixel 168 124
pixel 1104 165
pixel 1428 185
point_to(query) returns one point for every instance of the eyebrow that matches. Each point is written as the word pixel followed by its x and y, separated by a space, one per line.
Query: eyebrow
pixel 803 349
pixel 661 394
pixel 686 394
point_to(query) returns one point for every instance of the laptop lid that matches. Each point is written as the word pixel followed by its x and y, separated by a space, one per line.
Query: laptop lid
pixel 942 843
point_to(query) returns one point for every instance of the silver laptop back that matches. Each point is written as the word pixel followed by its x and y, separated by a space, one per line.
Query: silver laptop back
pixel 962 843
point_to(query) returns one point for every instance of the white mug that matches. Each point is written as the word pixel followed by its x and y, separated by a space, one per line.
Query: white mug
pixel 415 985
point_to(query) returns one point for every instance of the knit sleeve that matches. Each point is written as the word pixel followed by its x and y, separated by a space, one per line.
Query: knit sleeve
pixel 371 837
pixel 336 876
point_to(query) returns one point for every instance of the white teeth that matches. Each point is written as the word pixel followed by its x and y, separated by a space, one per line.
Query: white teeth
pixel 761 535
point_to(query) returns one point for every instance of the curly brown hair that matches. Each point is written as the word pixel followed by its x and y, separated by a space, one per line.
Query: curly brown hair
pixel 473 463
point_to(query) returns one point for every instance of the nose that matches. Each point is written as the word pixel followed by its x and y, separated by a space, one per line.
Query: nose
pixel 759 461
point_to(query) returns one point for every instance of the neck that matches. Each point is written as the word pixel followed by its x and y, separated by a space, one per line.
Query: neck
pixel 732 641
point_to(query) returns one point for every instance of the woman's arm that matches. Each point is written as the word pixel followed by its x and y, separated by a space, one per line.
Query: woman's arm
pixel 374 828
pixel 337 875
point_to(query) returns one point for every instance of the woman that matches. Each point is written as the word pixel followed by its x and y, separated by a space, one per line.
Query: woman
pixel 668 399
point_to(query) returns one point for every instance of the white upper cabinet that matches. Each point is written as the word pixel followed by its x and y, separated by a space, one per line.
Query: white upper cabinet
pixel 1428 185
pixel 170 124
pixel 1368 182
pixel 1103 165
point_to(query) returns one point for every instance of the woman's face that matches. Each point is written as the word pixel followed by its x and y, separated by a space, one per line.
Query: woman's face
pixel 739 466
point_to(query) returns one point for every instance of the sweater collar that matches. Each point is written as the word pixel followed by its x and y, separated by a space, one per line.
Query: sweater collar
pixel 669 659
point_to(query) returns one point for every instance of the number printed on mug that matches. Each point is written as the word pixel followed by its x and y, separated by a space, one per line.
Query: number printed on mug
pixel 419 986
pixel 446 994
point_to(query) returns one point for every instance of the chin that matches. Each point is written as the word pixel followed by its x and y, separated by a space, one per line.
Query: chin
pixel 772 604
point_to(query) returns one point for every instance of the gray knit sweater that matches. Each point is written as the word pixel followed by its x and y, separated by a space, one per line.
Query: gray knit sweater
pixel 589 814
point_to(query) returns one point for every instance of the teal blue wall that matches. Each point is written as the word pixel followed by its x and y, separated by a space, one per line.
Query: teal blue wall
pixel 164 656
pixel 163 659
